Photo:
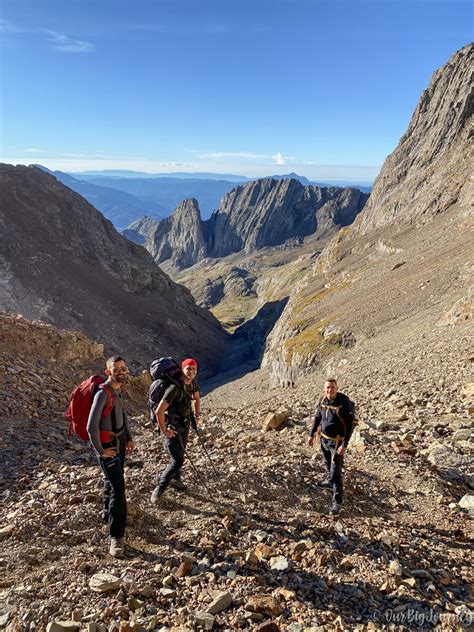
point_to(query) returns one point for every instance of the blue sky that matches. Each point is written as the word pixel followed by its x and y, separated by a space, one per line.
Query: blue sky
pixel 321 87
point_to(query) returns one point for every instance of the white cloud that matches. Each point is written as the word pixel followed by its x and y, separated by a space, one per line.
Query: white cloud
pixel 279 159
pixel 34 150
pixel 61 42
pixel 65 44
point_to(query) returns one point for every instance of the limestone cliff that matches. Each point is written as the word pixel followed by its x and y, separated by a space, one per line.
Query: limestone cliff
pixel 399 273
pixel 431 167
pixel 254 215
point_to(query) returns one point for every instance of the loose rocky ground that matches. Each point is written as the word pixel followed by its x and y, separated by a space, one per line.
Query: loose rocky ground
pixel 251 544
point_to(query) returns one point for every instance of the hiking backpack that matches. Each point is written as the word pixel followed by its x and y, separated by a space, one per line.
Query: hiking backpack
pixel 81 402
pixel 164 371
pixel 351 408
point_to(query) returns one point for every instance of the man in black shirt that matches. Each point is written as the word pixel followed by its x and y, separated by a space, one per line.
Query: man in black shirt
pixel 333 421
pixel 174 414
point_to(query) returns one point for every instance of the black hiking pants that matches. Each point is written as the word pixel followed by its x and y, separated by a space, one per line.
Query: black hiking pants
pixel 334 463
pixel 176 447
pixel 115 503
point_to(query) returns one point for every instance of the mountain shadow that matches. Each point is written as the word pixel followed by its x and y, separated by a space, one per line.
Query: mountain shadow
pixel 246 345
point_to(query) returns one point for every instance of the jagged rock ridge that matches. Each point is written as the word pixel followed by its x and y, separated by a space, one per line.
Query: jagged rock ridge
pixel 400 273
pixel 254 215
pixel 431 167
pixel 62 262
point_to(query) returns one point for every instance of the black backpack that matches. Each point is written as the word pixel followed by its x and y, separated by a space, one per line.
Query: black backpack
pixel 164 371
pixel 351 406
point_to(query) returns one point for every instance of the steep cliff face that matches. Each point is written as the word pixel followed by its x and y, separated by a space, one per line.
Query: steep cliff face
pixel 431 166
pixel 269 212
pixel 255 215
pixel 178 238
pixel 62 262
pixel 399 274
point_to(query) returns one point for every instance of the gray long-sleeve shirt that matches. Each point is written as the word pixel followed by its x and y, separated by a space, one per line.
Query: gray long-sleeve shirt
pixel 96 422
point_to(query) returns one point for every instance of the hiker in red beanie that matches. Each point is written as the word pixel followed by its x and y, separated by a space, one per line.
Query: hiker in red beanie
pixel 189 367
pixel 178 409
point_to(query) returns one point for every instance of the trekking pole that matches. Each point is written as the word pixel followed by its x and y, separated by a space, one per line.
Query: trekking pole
pixel 206 452
pixel 201 479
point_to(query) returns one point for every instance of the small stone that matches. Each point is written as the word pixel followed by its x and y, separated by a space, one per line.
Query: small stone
pixel 263 551
pixel 395 568
pixel 279 563
pixel 221 602
pixel 273 421
pixel 205 620
pixel 5 532
pixel 184 568
pixel 62 626
pixel 168 580
pixel 104 582
pixel 76 615
pixel 251 559
pixel 410 581
pixel 147 591
pixel 467 502
pixel 298 547
pixel 268 626
pixel 264 604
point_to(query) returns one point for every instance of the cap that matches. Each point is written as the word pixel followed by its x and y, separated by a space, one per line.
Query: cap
pixel 188 362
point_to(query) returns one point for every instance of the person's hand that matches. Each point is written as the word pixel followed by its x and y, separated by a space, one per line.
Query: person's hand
pixel 109 453
pixel 341 450
pixel 170 433
pixel 310 441
pixel 130 447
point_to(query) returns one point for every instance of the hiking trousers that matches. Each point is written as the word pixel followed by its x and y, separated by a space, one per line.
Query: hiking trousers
pixel 334 463
pixel 176 447
pixel 115 503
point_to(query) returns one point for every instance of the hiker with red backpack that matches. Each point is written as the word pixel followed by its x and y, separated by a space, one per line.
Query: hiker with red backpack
pixel 110 437
pixel 333 422
pixel 174 406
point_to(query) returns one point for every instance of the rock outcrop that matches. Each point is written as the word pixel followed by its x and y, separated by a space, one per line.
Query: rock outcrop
pixel 62 262
pixel 254 215
pixel 405 254
pixel 431 167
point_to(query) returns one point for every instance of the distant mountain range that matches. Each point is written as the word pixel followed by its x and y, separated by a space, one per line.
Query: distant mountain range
pixel 126 196
pixel 117 206
pixel 182 175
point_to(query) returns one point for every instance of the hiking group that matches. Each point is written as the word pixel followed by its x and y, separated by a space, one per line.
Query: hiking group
pixel 96 414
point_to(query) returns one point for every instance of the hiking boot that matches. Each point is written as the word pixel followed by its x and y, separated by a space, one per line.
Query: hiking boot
pixel 179 485
pixel 335 509
pixel 324 484
pixel 155 496
pixel 117 547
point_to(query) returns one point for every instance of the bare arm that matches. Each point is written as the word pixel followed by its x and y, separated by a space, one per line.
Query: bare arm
pixel 160 415
pixel 197 404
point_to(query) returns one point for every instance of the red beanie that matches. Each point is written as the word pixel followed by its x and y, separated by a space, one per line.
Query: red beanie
pixel 189 362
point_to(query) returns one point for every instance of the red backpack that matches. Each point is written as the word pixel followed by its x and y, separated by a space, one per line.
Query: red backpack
pixel 81 402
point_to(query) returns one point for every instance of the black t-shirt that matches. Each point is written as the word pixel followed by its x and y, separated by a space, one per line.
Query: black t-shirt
pixel 179 401
pixel 192 388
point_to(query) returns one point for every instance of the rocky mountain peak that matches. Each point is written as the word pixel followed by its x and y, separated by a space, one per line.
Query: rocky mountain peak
pixel 254 215
pixel 430 168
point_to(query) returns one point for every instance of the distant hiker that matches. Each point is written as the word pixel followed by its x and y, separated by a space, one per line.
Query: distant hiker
pixel 111 439
pixel 175 402
pixel 333 421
